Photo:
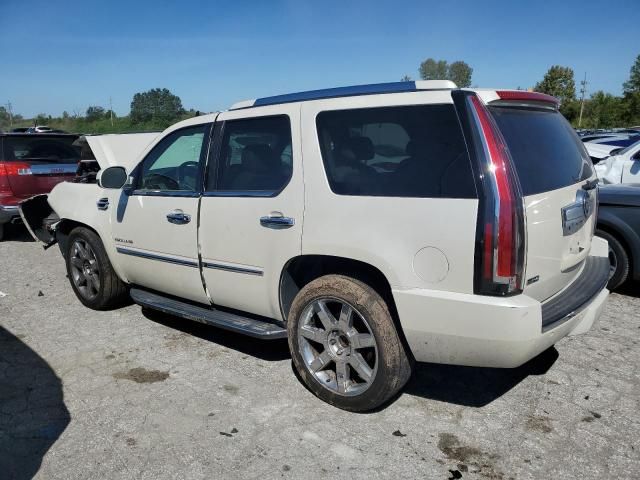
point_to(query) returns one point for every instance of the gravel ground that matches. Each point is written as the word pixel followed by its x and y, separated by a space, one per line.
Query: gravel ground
pixel 134 394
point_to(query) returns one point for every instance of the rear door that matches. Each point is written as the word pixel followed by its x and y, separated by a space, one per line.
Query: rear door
pixel 554 171
pixel 251 212
pixel 38 162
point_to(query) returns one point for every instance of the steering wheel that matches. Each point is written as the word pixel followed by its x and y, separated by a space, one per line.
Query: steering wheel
pixel 157 181
pixel 183 172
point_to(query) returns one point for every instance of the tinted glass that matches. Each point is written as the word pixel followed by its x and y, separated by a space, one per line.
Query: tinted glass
pixel 255 155
pixel 407 151
pixel 545 149
pixel 41 149
pixel 174 164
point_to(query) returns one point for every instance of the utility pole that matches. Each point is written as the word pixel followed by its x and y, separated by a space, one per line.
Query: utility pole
pixel 583 90
pixel 111 110
pixel 9 106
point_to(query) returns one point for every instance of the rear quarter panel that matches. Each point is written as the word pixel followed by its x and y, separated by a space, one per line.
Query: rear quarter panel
pixel 387 232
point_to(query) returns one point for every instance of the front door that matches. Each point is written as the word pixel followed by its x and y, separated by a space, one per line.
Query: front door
pixel 252 207
pixel 156 225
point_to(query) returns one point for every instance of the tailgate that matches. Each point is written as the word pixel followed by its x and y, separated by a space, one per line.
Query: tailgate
pixel 555 175
pixel 35 178
pixel 36 163
pixel 560 227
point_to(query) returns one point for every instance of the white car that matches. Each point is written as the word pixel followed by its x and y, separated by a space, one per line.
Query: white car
pixel 371 226
pixel 598 152
pixel 622 167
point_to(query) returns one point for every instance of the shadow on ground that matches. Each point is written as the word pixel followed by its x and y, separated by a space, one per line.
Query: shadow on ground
pixel 270 350
pixel 630 289
pixel 17 233
pixel 473 386
pixel 468 386
pixel 32 410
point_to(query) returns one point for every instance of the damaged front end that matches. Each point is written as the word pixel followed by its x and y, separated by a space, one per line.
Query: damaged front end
pixel 40 219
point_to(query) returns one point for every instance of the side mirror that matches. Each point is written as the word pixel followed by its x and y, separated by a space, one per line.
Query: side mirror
pixel 112 177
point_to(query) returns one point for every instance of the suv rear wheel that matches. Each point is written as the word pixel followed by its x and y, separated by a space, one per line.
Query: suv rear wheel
pixel 345 345
pixel 90 273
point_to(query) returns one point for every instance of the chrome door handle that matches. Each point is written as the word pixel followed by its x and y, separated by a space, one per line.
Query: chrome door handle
pixel 277 221
pixel 178 217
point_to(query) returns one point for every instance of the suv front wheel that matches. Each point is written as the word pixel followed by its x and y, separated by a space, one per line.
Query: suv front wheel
pixel 345 345
pixel 90 273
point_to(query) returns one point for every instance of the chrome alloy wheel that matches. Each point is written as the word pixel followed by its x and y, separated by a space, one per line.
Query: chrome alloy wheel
pixel 338 346
pixel 84 269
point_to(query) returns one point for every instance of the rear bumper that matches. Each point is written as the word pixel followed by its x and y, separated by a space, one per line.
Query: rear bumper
pixel 475 330
pixel 9 213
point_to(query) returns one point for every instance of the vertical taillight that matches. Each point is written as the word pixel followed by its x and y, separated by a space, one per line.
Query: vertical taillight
pixel 500 240
pixel 11 169
pixel 5 187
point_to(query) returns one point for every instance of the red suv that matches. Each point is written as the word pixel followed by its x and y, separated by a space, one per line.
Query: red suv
pixel 31 164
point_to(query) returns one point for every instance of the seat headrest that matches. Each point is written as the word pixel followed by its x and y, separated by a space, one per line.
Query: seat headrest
pixel 259 157
pixel 357 148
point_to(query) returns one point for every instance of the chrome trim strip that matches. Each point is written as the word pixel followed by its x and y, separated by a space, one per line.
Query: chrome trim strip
pixel 160 258
pixel 232 268
pixel 243 193
pixel 165 193
pixel 54 169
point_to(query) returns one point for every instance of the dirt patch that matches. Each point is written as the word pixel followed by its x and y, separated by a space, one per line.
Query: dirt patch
pixel 539 424
pixel 451 447
pixel 478 461
pixel 142 375
pixel 232 389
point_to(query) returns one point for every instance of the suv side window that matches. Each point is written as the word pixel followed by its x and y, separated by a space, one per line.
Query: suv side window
pixel 174 164
pixel 404 151
pixel 255 156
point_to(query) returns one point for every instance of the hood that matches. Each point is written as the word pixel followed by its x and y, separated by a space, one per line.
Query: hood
pixel 597 150
pixel 122 150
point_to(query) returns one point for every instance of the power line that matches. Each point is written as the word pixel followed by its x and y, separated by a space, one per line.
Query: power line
pixel 583 90
pixel 9 110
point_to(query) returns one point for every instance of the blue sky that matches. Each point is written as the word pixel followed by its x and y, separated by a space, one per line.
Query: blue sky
pixel 57 56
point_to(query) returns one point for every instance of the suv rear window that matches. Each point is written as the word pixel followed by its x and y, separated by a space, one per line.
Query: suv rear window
pixel 404 151
pixel 37 148
pixel 545 149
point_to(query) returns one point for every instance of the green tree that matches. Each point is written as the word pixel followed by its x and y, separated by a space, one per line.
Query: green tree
pixel 156 105
pixel 94 113
pixel 406 78
pixel 432 69
pixel 559 82
pixel 603 110
pixel 631 99
pixel 4 118
pixel 460 73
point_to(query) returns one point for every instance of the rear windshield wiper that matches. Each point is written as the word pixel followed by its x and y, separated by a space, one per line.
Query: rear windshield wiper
pixel 590 185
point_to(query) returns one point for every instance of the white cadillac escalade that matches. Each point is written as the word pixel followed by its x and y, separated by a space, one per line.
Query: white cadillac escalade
pixel 371 226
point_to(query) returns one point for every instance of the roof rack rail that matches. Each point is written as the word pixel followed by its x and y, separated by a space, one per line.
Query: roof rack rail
pixel 354 90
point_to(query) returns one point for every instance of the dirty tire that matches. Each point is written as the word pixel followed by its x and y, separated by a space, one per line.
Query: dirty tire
pixel 619 259
pixel 393 364
pixel 112 291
